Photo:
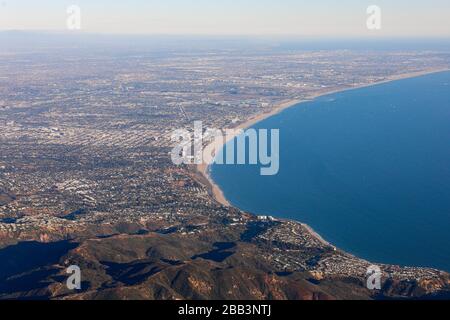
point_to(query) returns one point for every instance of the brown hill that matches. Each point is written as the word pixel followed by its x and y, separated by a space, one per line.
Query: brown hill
pixel 210 265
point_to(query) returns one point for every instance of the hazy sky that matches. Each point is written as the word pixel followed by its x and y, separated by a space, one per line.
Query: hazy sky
pixel 232 17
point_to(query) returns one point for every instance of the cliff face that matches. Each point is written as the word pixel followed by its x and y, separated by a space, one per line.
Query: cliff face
pixel 219 262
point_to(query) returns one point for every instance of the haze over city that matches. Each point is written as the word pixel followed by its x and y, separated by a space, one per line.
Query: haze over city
pixel 346 18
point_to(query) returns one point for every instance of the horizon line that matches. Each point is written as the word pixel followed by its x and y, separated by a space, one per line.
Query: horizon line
pixel 225 35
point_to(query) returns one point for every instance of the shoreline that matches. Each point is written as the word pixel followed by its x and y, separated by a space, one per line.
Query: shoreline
pixel 204 169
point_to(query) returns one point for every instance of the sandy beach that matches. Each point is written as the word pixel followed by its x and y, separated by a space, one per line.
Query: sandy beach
pixel 203 168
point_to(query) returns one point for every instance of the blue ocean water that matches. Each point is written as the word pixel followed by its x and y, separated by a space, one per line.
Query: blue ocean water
pixel 368 169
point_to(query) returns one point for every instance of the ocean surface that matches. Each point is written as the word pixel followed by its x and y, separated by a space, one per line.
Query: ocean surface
pixel 368 169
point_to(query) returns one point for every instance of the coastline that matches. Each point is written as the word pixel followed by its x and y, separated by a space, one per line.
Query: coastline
pixel 203 169
pixel 214 189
